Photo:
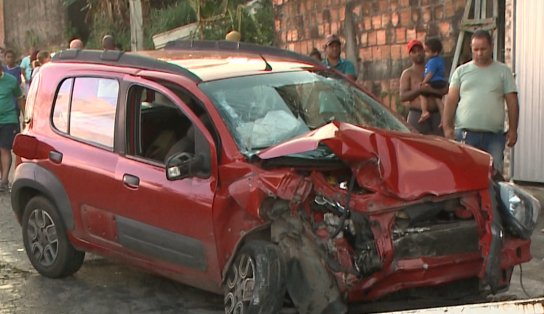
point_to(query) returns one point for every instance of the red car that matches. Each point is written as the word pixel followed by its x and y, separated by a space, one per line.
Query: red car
pixel 257 173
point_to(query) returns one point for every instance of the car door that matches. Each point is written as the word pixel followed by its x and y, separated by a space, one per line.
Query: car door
pixel 84 158
pixel 169 222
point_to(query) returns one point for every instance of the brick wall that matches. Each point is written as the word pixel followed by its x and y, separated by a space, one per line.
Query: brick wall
pixel 379 31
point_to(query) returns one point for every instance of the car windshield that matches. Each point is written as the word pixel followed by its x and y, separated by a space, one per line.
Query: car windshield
pixel 265 110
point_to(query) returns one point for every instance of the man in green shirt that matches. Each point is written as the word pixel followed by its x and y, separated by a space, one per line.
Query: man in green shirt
pixel 10 91
pixel 478 90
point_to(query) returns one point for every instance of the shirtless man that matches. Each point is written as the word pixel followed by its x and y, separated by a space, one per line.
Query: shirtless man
pixel 411 89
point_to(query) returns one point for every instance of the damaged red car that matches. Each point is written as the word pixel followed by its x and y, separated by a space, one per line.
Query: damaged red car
pixel 258 174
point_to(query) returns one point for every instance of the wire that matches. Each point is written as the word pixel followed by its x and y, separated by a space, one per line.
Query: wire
pixel 521 283
pixel 345 214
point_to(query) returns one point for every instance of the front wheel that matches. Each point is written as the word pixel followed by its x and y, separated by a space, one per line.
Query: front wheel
pixel 255 282
pixel 46 242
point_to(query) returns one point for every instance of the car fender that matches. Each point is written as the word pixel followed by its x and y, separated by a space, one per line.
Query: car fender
pixel 261 232
pixel 31 179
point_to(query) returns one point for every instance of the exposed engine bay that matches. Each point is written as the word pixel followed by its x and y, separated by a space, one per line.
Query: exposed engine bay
pixel 357 236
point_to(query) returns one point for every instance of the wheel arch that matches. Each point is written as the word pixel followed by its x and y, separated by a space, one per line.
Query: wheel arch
pixel 260 233
pixel 30 180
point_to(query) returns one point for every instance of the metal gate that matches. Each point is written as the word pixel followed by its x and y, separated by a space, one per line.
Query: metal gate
pixel 528 154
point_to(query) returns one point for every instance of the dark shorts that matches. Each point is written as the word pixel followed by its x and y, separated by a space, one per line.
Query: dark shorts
pixel 427 127
pixel 7 134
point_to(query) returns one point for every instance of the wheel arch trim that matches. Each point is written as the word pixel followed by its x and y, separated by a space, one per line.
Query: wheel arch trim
pixel 41 180
pixel 258 233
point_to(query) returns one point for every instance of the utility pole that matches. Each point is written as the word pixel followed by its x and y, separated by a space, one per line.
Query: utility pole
pixel 2 24
pixel 136 25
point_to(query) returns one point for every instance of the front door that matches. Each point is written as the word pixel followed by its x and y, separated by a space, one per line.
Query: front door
pixel 169 222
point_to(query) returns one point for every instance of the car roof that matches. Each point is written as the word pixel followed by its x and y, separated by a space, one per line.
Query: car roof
pixel 212 60
pixel 219 65
pixel 199 60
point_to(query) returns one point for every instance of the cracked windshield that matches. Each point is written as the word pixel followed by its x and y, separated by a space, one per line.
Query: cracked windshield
pixel 265 110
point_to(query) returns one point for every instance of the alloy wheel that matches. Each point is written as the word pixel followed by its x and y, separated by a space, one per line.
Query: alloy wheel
pixel 240 286
pixel 42 235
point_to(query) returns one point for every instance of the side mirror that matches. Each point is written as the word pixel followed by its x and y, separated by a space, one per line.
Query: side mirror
pixel 183 165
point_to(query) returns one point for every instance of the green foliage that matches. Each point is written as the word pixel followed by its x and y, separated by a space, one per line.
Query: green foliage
pixel 263 23
pixel 255 23
pixel 163 19
pixel 120 32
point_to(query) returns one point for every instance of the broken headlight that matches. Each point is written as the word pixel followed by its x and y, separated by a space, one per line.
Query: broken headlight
pixel 519 209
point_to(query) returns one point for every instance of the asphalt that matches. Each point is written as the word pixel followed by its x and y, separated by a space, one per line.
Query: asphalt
pixel 104 286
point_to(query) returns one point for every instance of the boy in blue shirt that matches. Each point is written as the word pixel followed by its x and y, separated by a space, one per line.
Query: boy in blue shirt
pixel 434 76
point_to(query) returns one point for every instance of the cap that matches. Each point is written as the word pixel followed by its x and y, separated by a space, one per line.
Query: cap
pixel 412 43
pixel 331 39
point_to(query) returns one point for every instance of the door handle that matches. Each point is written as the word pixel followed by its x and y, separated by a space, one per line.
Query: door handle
pixel 131 181
pixel 55 156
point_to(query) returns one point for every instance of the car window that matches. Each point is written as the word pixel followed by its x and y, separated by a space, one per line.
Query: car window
pixel 267 109
pixel 85 108
pixel 156 126
pixel 31 97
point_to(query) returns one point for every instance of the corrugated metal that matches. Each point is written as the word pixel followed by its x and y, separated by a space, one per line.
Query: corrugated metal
pixel 528 154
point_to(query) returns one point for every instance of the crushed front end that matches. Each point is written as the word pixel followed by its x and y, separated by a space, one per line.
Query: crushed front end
pixel 373 226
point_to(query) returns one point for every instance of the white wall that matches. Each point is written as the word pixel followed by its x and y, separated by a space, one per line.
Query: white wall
pixel 528 154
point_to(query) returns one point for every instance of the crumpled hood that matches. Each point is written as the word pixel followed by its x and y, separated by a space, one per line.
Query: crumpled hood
pixel 404 165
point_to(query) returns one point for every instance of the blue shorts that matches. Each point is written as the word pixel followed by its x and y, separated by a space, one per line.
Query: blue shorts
pixel 490 142
pixel 7 134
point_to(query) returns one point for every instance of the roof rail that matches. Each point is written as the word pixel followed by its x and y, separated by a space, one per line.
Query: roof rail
pixel 120 58
pixel 224 45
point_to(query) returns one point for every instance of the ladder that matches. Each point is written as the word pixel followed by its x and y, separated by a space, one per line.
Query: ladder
pixel 478 20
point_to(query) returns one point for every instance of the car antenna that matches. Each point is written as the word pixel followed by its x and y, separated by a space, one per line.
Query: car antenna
pixel 268 67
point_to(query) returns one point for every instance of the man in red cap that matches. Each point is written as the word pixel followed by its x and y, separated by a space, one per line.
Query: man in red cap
pixel 411 89
pixel 333 50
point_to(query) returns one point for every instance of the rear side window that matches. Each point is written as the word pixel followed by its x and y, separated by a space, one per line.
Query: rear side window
pixel 85 108
pixel 31 98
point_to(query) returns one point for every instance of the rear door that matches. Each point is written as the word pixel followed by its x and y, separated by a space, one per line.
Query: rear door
pixel 83 140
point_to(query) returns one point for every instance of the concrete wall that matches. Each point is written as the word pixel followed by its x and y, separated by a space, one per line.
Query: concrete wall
pixel 34 23
pixel 376 31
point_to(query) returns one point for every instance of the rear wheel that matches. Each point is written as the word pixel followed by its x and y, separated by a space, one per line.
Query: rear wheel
pixel 255 282
pixel 46 242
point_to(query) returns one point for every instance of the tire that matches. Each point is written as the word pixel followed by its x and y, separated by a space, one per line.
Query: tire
pixel 255 282
pixel 46 243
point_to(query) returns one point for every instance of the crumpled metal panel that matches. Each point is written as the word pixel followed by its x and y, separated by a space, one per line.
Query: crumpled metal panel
pixel 404 165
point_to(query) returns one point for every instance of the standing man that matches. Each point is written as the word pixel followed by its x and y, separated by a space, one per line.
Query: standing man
pixel 76 44
pixel 108 43
pixel 233 36
pixel 333 60
pixel 478 90
pixel 10 91
pixel 26 67
pixel 411 89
